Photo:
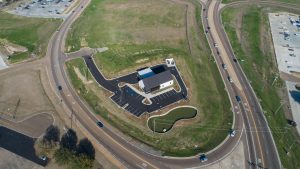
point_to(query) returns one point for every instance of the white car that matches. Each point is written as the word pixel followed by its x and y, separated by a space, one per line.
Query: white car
pixel 232 132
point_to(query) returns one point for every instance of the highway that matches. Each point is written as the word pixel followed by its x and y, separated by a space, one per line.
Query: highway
pixel 247 114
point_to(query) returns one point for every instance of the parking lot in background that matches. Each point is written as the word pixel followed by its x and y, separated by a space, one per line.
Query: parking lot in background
pixel 285 28
pixel 286 40
pixel 44 8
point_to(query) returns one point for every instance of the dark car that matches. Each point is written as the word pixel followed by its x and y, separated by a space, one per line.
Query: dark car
pixel 292 123
pixel 234 59
pixel 100 124
pixel 238 99
pixel 203 158
pixel 59 88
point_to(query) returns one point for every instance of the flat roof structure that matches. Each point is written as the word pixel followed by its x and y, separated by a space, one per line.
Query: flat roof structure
pixel 156 80
pixel 145 73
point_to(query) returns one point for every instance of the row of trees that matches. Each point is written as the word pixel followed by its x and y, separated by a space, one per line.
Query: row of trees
pixel 70 153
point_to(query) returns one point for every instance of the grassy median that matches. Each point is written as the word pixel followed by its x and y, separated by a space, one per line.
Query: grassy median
pixel 140 33
pixel 31 33
pixel 251 40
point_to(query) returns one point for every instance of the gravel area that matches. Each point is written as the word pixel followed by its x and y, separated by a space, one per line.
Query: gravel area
pixel 286 40
pixel 285 28
pixel 44 8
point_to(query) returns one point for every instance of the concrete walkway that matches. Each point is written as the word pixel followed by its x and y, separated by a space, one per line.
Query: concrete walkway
pixel 149 95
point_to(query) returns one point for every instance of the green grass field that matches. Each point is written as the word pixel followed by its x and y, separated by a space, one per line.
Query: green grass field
pixel 260 69
pixel 138 30
pixel 31 33
pixel 164 123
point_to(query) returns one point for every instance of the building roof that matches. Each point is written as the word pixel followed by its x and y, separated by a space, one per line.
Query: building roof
pixel 145 73
pixel 156 80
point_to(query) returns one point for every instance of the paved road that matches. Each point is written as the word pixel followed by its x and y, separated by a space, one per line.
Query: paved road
pixel 133 157
pixel 261 147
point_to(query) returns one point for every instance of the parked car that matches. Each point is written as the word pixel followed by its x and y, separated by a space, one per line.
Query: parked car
pixel 44 158
pixel 203 158
pixel 292 123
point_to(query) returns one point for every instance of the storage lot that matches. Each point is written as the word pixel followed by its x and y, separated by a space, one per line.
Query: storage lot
pixel 286 40
pixel 285 29
pixel 44 8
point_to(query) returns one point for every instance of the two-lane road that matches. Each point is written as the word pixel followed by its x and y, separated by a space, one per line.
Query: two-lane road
pixel 130 155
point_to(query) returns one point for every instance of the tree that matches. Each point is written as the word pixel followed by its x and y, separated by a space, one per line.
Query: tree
pixel 82 162
pixel 52 135
pixel 69 140
pixel 85 147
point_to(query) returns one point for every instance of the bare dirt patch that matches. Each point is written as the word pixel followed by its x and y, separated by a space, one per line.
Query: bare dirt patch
pixel 22 94
pixel 81 77
pixel 9 48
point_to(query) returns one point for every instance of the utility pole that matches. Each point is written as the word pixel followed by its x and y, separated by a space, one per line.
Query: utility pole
pixel 291 147
pixel 17 106
pixel 275 79
pixel 281 104
pixel 71 117
pixel 154 126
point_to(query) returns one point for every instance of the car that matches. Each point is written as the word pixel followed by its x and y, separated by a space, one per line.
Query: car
pixel 229 79
pixel 208 28
pixel 224 66
pixel 238 99
pixel 215 44
pixel 100 124
pixel 203 158
pixel 232 132
pixel 234 59
pixel 59 88
pixel 292 123
pixel 44 158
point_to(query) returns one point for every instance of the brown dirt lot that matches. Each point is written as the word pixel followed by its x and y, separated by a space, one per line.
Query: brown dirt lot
pixel 22 87
pixel 33 126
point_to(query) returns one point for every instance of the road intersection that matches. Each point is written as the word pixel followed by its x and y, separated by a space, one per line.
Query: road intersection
pixel 248 113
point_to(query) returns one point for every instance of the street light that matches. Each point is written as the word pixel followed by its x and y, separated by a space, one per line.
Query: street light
pixel 281 104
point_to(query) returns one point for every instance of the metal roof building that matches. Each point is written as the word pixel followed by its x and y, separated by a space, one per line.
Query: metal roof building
pixel 157 81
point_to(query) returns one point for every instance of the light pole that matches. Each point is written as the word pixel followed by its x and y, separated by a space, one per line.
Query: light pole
pixel 275 79
pixel 281 104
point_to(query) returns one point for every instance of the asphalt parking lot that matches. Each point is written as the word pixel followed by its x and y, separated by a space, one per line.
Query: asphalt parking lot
pixel 19 144
pixel 130 100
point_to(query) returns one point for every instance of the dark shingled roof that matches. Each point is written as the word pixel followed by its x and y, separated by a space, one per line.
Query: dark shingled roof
pixel 156 80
